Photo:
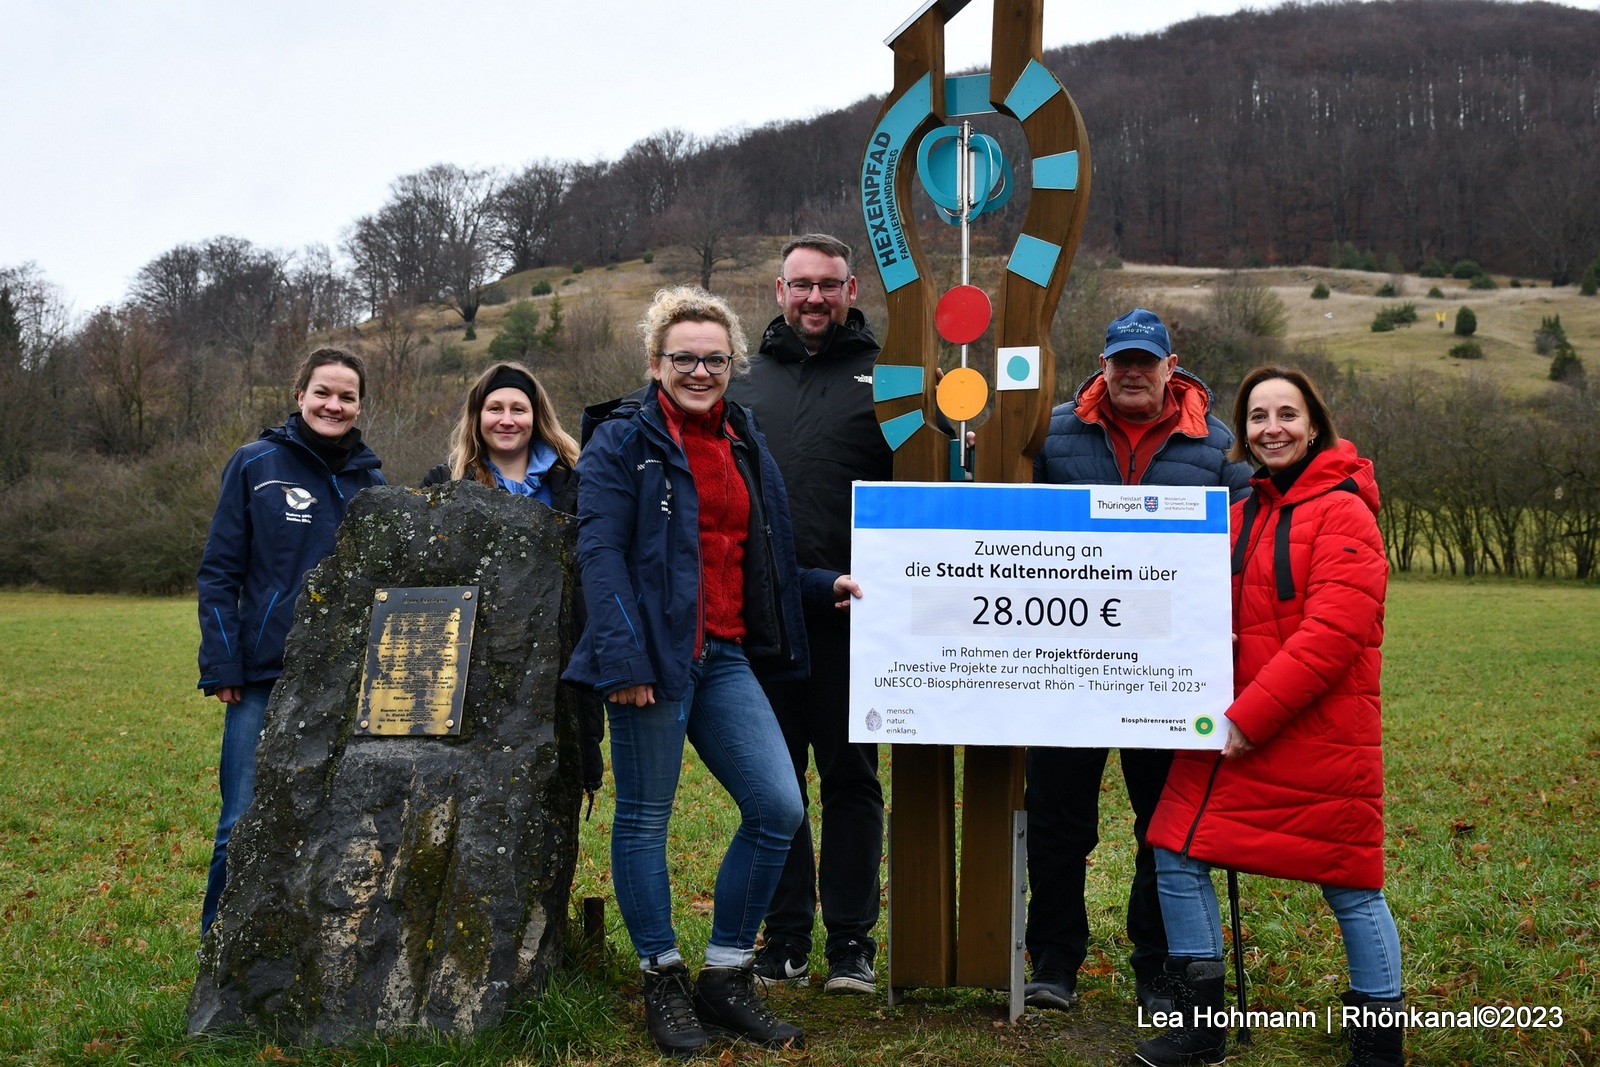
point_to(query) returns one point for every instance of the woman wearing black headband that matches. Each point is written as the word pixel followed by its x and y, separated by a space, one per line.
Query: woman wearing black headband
pixel 508 437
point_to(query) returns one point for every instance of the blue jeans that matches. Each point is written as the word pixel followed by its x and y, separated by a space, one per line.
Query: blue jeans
pixel 236 774
pixel 814 714
pixel 1194 923
pixel 727 718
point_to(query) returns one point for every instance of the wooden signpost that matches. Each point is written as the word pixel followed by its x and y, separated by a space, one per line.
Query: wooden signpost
pixel 936 939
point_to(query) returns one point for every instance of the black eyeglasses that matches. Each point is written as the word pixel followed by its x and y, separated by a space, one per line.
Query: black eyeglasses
pixel 830 287
pixel 685 362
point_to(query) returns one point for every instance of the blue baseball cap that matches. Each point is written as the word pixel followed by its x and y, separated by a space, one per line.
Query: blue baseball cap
pixel 1138 329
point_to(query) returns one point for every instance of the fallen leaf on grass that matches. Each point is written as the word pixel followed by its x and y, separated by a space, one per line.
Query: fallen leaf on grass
pixel 274 1054
pixel 99 1047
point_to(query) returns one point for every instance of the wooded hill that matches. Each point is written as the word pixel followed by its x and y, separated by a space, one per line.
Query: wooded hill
pixel 1420 129
pixel 1424 128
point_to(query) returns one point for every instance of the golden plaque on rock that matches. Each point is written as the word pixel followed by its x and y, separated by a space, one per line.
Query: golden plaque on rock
pixel 416 674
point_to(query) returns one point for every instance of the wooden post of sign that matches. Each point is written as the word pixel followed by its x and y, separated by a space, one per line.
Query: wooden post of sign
pixel 934 939
pixel 922 820
pixel 1007 443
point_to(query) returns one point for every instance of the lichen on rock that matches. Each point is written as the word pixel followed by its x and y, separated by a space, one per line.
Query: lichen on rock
pixel 380 886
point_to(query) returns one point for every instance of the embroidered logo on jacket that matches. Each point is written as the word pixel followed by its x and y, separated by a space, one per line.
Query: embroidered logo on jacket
pixel 299 501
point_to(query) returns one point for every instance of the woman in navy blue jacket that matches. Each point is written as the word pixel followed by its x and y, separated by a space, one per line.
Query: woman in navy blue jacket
pixel 687 561
pixel 282 498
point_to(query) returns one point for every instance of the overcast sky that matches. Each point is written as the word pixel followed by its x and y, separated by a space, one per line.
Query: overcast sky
pixel 131 126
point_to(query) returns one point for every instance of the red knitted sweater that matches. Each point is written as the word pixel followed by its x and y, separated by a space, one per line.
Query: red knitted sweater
pixel 724 517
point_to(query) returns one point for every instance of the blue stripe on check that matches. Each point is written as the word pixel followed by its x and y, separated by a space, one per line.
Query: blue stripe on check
pixel 999 507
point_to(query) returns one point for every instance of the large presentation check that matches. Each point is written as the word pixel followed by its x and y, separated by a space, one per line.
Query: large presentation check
pixel 1077 616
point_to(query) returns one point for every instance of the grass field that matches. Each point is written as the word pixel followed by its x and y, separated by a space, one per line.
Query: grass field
pixel 108 798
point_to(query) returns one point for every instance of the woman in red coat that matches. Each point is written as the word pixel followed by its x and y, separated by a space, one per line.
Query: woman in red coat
pixel 1297 791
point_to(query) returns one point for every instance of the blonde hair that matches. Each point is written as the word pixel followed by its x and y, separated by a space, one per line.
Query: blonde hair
pixel 467 450
pixel 690 303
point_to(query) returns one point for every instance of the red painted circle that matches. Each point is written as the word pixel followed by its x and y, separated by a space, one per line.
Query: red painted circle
pixel 963 314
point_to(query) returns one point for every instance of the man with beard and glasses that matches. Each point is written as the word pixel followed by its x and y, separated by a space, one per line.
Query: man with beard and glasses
pixel 811 388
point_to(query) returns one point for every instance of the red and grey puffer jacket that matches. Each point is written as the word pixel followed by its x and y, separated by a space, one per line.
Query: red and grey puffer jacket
pixel 1309 578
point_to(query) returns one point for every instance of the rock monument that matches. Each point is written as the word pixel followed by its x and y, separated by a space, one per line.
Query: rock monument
pixel 381 885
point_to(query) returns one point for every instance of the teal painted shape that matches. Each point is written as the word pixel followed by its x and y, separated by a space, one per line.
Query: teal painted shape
pixel 886 234
pixel 1018 368
pixel 958 473
pixel 1035 86
pixel 1034 259
pixel 892 382
pixel 938 162
pixel 938 159
pixel 1059 171
pixel 967 94
pixel 897 431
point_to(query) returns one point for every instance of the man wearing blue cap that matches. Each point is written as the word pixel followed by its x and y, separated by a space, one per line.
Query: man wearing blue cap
pixel 1139 420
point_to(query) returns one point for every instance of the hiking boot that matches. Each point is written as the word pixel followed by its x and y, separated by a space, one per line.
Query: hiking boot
pixel 1051 988
pixel 850 969
pixel 1197 1040
pixel 728 1002
pixel 779 963
pixel 1371 1044
pixel 669 1014
pixel 1156 992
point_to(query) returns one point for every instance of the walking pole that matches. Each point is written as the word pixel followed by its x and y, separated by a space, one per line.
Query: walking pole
pixel 1238 953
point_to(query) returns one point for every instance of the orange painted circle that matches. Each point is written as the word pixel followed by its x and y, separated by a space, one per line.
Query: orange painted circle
pixel 962 394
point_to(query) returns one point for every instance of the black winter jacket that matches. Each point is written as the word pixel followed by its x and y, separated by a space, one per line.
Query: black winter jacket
pixel 819 420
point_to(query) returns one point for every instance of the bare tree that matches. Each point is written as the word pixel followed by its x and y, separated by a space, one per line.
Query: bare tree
pixel 657 167
pixel 525 212
pixel 1551 201
pixel 43 316
pixel 321 296
pixel 458 203
pixel 709 218
pixel 34 321
pixel 601 221
pixel 431 242
pixel 124 380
